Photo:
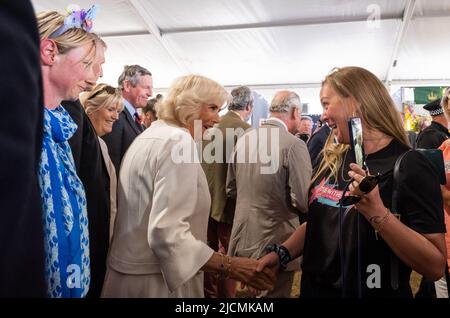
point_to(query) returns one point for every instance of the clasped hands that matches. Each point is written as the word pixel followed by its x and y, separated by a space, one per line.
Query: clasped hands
pixel 267 266
pixel 250 273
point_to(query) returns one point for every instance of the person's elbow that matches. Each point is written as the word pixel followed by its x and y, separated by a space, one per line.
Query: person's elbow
pixel 436 270
pixel 434 259
pixel 439 270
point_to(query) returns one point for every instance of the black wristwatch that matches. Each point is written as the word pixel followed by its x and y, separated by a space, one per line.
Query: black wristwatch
pixel 282 252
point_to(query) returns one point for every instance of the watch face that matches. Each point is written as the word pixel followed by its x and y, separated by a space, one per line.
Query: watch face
pixel 284 255
pixel 282 252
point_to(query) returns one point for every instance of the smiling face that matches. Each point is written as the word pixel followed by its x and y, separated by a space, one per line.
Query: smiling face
pixel 209 115
pixel 337 111
pixel 103 118
pixel 73 72
pixel 138 95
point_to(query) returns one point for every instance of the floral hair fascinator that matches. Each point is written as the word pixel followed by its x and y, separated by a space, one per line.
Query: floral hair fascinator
pixel 77 19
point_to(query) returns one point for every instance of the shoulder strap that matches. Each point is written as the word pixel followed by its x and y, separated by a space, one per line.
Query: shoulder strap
pixel 396 182
pixel 393 260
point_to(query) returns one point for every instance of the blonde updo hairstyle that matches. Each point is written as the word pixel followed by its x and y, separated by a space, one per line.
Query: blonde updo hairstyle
pixel 186 96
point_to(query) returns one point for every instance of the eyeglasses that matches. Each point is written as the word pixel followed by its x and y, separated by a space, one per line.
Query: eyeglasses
pixel 365 186
pixel 108 89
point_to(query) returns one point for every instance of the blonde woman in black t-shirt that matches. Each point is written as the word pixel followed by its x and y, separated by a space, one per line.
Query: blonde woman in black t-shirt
pixel 361 249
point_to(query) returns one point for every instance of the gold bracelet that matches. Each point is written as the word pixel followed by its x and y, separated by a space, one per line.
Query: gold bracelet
pixel 221 266
pixel 224 267
pixel 228 268
pixel 379 226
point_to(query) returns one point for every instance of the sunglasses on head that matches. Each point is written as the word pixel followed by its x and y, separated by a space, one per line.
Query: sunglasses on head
pixel 108 89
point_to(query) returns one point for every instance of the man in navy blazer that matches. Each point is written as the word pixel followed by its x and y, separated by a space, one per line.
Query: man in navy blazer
pixel 21 227
pixel 136 83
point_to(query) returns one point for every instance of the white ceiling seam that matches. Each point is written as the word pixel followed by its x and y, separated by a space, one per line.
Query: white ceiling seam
pixel 276 24
pixel 271 44
pixel 141 9
pixel 408 13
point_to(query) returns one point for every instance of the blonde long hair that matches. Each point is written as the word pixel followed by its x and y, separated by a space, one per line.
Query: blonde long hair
pixel 186 97
pixel 375 107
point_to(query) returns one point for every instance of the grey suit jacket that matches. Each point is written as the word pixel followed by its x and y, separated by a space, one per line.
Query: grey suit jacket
pixel 269 196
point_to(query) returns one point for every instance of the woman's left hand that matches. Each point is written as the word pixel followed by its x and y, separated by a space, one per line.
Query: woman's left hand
pixel 371 203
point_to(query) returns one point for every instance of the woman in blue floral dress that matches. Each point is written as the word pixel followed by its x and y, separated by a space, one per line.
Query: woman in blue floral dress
pixel 67 53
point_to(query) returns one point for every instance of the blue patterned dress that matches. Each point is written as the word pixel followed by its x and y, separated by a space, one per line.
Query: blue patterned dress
pixel 64 206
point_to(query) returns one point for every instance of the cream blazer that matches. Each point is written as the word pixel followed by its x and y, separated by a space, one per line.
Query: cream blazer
pixel 112 185
pixel 163 212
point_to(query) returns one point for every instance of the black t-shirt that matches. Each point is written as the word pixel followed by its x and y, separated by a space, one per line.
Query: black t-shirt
pixel 432 137
pixel 363 256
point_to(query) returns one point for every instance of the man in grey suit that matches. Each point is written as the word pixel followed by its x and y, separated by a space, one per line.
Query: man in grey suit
pixel 270 186
pixel 136 83
pixel 232 125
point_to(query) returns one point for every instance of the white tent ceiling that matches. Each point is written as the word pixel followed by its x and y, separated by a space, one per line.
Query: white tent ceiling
pixel 273 43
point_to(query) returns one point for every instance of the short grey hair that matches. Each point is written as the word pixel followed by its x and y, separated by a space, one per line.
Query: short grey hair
pixel 132 73
pixel 284 102
pixel 240 97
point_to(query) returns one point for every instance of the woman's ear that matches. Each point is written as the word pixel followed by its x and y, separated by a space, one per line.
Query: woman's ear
pixel 355 106
pixel 48 52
